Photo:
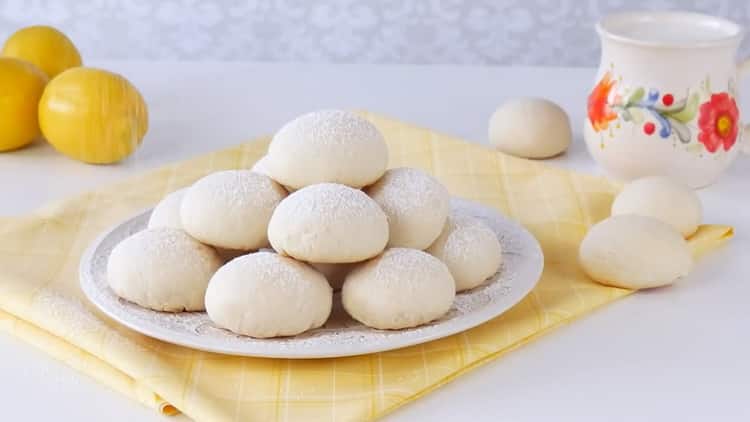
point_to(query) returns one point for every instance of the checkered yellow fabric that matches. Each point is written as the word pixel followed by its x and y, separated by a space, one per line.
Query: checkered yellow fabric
pixel 40 300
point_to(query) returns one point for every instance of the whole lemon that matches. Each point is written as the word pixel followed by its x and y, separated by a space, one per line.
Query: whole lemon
pixel 44 46
pixel 21 85
pixel 93 115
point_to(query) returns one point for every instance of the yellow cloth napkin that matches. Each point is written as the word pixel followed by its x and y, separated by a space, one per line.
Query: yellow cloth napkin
pixel 41 302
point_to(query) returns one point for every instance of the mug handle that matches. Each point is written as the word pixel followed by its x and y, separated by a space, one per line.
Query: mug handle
pixel 743 69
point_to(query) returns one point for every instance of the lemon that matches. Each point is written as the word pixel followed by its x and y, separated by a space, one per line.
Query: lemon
pixel 21 85
pixel 93 115
pixel 44 46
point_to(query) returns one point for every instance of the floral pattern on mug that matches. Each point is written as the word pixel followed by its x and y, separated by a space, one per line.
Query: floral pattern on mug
pixel 717 123
pixel 600 113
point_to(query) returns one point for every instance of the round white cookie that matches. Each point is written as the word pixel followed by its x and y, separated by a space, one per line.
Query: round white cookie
pixel 634 252
pixel 327 146
pixel 261 166
pixel 231 209
pixel 530 128
pixel 470 249
pixel 328 223
pixel 399 289
pixel 266 295
pixel 334 273
pixel 416 205
pixel 167 212
pixel 661 198
pixel 162 269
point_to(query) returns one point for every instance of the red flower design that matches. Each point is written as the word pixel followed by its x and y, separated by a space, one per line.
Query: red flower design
pixel 718 122
pixel 600 114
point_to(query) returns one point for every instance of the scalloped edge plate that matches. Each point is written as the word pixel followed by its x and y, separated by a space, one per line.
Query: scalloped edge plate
pixel 522 266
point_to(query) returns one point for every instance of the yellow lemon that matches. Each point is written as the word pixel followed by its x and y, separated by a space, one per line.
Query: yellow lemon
pixel 93 115
pixel 21 85
pixel 44 46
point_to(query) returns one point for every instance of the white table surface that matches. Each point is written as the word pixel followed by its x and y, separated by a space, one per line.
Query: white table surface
pixel 680 353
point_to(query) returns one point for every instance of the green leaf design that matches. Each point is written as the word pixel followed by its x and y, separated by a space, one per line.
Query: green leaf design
pixel 636 115
pixel 636 96
pixel 682 131
pixel 625 114
pixel 686 113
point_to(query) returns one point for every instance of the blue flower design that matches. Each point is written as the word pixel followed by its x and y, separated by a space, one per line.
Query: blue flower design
pixel 666 127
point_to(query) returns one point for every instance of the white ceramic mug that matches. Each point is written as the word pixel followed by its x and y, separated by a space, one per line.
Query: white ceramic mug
pixel 665 98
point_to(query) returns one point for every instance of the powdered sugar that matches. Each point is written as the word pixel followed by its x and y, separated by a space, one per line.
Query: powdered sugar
pixel 329 202
pixel 328 223
pixel 162 268
pixel 398 266
pixel 327 146
pixel 72 320
pixel 464 235
pixel 238 189
pixel 331 128
pixel 469 248
pixel 405 190
pixel 281 271
pixel 71 317
pixel 231 209
pixel 266 295
pixel 401 288
pixel 416 204
pixel 167 211
pixel 165 244
pixel 340 336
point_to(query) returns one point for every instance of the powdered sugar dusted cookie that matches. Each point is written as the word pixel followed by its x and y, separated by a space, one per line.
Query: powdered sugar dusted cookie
pixel 400 288
pixel 261 166
pixel 470 249
pixel 267 295
pixel 327 146
pixel 328 223
pixel 162 269
pixel 416 204
pixel 231 209
pixel 167 212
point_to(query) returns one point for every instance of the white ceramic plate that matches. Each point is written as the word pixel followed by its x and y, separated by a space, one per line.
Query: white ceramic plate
pixel 341 335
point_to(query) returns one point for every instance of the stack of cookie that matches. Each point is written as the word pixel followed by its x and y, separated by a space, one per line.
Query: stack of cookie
pixel 262 250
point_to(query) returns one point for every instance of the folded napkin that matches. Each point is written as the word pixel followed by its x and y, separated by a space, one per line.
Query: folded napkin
pixel 40 300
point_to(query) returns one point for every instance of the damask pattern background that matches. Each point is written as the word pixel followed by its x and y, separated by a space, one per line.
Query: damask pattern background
pixel 519 32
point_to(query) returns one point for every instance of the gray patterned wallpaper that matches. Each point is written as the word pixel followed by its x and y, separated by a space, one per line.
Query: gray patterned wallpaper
pixel 534 32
